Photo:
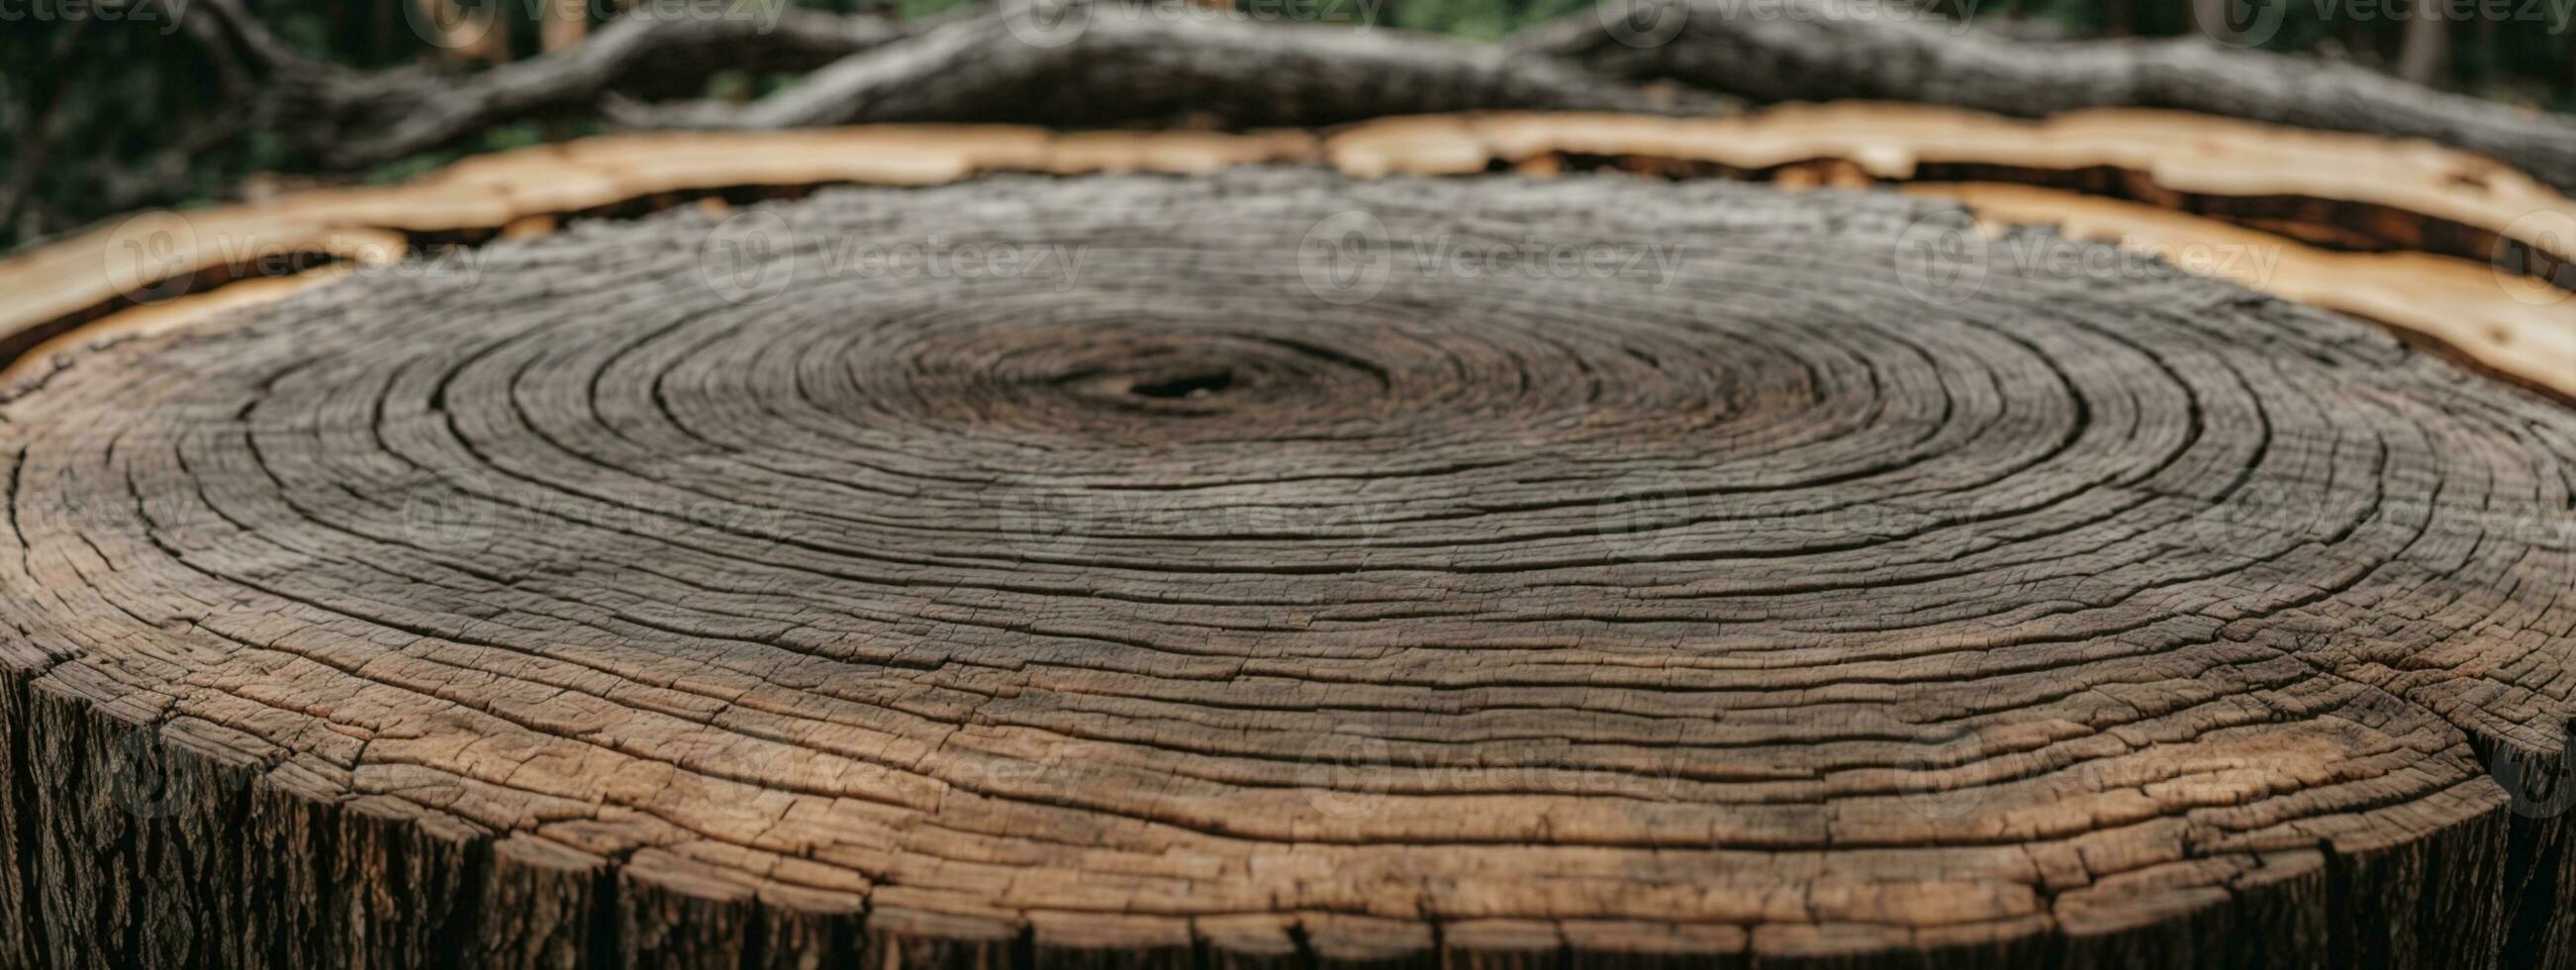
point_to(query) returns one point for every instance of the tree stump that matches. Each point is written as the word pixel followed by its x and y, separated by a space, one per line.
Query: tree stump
pixel 2447 245
pixel 1271 569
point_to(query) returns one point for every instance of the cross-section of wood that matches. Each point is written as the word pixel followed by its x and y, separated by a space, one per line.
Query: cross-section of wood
pixel 1272 568
pixel 2340 191
pixel 154 256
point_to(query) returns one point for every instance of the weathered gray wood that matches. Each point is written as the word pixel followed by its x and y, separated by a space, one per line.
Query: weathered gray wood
pixel 1288 585
pixel 1824 50
pixel 1094 62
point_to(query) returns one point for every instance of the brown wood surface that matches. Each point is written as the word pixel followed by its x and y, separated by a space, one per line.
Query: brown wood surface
pixel 1278 591
pixel 2402 203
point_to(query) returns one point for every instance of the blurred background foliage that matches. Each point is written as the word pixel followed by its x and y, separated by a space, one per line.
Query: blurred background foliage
pixel 110 105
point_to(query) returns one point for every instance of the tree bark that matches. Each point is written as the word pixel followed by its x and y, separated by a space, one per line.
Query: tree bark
pixel 1108 63
pixel 1270 568
pixel 1824 50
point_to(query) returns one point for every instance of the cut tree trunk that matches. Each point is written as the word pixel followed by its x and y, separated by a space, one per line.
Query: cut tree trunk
pixel 2451 245
pixel 1277 569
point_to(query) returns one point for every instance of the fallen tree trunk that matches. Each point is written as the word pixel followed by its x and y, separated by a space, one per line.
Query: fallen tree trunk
pixel 1830 50
pixel 1273 568
pixel 1085 62
pixel 1113 63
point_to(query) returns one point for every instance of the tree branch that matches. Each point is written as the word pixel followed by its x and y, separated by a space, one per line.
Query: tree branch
pixel 1821 50
pixel 1098 62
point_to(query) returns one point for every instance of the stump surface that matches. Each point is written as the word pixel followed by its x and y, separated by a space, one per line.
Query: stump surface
pixel 1265 568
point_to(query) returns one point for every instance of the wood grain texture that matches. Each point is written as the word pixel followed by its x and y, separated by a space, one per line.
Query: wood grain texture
pixel 2497 284
pixel 1267 592
pixel 2515 327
